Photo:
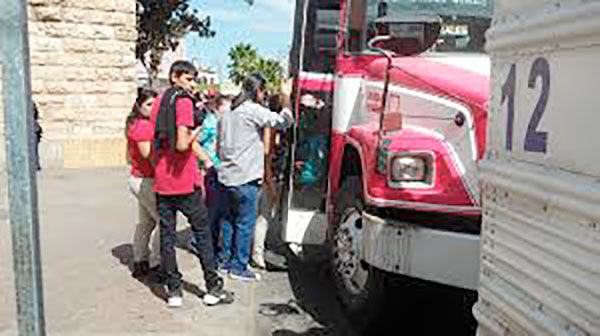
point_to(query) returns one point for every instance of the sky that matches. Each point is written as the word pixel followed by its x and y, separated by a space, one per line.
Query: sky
pixel 267 25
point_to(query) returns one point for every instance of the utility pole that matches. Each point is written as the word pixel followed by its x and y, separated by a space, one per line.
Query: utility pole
pixel 22 187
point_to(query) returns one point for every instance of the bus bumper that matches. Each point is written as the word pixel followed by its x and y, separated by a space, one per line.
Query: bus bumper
pixel 448 258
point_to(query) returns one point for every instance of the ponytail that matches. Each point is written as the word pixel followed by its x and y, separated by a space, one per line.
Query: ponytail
pixel 250 88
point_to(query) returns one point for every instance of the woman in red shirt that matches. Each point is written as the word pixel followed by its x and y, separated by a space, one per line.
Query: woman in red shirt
pixel 140 133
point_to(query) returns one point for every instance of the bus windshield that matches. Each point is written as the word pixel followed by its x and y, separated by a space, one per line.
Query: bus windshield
pixel 463 22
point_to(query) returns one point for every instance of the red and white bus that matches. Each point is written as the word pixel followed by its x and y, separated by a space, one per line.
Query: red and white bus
pixel 391 101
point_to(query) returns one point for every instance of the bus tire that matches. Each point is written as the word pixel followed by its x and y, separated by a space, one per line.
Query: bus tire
pixel 360 287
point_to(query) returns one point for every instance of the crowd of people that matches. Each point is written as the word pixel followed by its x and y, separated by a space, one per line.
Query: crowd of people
pixel 202 155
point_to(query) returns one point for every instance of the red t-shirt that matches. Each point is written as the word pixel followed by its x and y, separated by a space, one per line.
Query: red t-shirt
pixel 140 130
pixel 176 172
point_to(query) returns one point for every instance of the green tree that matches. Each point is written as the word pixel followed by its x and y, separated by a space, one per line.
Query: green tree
pixel 273 72
pixel 162 24
pixel 245 60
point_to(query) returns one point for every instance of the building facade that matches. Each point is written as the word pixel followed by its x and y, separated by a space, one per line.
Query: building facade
pixel 83 79
pixel 162 77
pixel 207 77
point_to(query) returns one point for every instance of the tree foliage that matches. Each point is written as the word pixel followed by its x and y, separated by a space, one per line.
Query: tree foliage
pixel 245 60
pixel 162 24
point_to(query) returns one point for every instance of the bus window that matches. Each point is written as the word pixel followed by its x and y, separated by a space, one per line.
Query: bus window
pixel 463 22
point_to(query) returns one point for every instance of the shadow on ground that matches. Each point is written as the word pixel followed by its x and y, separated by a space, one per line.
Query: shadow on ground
pixel 124 253
pixel 314 295
pixel 411 307
pixel 315 292
pixel 309 332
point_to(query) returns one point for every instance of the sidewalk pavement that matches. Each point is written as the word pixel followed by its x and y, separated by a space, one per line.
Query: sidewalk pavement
pixel 86 221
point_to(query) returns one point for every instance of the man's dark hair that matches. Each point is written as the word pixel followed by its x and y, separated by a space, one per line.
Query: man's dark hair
pixel 182 68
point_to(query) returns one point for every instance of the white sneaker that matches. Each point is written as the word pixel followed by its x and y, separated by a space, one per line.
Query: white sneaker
pixel 259 261
pixel 217 296
pixel 175 300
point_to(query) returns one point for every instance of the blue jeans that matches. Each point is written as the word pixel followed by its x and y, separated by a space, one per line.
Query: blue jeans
pixel 216 207
pixel 238 225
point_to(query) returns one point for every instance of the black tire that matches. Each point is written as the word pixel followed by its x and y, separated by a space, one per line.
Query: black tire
pixel 362 308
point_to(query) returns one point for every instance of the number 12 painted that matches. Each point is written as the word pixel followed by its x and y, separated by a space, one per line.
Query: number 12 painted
pixel 535 141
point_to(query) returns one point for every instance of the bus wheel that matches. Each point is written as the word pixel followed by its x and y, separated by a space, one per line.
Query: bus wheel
pixel 359 286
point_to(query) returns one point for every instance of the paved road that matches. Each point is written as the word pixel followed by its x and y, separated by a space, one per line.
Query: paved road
pixel 87 220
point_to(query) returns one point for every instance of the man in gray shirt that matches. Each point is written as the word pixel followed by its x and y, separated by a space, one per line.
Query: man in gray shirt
pixel 242 166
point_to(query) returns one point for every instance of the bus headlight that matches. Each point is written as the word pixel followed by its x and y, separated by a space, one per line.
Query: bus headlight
pixel 409 169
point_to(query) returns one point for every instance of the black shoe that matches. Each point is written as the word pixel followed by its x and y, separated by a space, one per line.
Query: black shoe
pixel 156 276
pixel 217 295
pixel 140 269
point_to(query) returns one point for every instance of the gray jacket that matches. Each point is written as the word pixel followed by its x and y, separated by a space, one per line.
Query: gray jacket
pixel 241 142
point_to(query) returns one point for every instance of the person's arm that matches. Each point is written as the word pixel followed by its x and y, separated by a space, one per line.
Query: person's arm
pixel 203 136
pixel 186 138
pixel 268 174
pixel 286 102
pixel 145 149
pixel 269 180
pixel 185 121
pixel 267 141
pixel 263 118
pixel 142 136
pixel 201 155
pixel 269 184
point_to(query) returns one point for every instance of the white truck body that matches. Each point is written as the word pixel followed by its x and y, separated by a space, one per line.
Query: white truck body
pixel 540 240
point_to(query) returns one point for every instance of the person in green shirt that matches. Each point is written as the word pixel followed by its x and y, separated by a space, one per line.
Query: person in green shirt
pixel 216 106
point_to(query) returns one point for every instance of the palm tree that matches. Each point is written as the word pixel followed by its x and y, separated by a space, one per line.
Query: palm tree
pixel 272 71
pixel 244 60
pixel 162 25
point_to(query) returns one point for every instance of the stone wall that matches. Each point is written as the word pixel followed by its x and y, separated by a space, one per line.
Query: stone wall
pixel 83 78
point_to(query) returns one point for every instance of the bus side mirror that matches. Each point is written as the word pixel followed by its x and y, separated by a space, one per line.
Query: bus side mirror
pixel 407 36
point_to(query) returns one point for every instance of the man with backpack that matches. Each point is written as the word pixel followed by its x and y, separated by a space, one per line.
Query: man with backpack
pixel 176 176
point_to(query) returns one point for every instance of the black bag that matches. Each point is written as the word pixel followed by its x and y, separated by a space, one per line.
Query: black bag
pixel 37 128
